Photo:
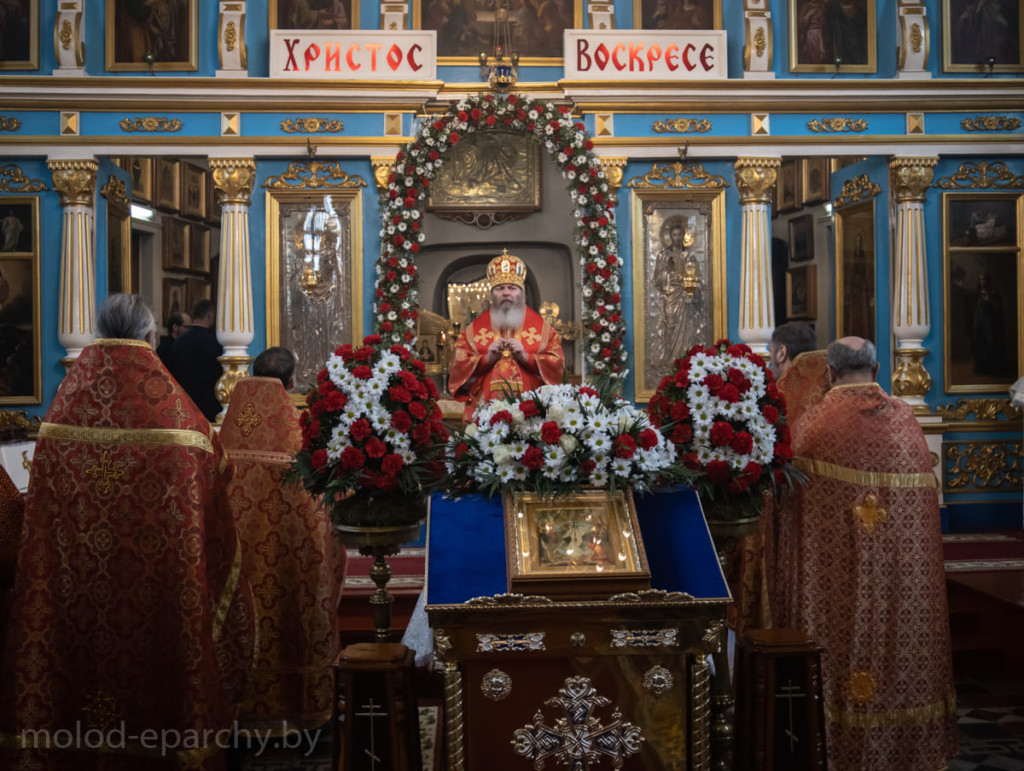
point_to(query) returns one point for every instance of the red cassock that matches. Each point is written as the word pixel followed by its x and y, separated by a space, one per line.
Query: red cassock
pixel 295 564
pixel 12 510
pixel 866 582
pixel 131 630
pixel 539 340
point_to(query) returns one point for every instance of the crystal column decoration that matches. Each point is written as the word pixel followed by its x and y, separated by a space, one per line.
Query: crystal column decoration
pixel 76 183
pixel 234 179
pixel 911 315
pixel 754 180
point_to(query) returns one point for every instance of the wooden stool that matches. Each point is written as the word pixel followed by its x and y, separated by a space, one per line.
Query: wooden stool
pixel 376 718
pixel 780 716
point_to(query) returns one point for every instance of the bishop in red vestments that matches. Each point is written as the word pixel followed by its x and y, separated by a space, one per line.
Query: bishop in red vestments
pixel 508 348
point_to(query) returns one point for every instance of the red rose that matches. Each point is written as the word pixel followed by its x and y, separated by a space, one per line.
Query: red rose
pixel 392 464
pixel 417 410
pixel 375 448
pixel 624 446
pixel 648 438
pixel 360 429
pixel 475 113
pixel 721 433
pixel 550 432
pixel 362 372
pixel 718 471
pixel 529 409
pixel 352 459
pixel 682 434
pixel 453 138
pixel 319 459
pixel 533 458
pixel 770 414
pixel 491 120
pixel 742 442
pixel 463 116
pixel 401 421
pixel 502 416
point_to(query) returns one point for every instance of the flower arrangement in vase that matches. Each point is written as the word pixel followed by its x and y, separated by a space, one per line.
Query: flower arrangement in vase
pixel 725 416
pixel 372 438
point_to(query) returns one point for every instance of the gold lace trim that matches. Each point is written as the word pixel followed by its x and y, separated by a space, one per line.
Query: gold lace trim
pixel 228 593
pixel 120 341
pixel 855 476
pixel 850 719
pixel 144 436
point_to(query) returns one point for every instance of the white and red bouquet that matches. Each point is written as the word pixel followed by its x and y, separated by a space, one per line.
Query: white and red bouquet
pixel 557 439
pixel 373 425
pixel 725 416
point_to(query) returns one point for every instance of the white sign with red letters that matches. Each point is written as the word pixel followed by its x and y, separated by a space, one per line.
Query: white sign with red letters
pixel 641 54
pixel 353 54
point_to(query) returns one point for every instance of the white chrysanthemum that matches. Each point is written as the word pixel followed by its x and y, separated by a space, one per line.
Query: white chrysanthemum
pixel 620 467
pixel 599 442
pixel 517 449
pixel 507 473
pixel 599 478
pixel 600 422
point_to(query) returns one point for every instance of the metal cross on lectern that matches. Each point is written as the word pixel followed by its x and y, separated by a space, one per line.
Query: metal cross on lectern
pixel 790 692
pixel 372 713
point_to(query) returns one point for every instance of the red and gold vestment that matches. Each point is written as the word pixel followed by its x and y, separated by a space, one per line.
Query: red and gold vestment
pixel 12 510
pixel 540 342
pixel 803 385
pixel 131 614
pixel 868 583
pixel 294 563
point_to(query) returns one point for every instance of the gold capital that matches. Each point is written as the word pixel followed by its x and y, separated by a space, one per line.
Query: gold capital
pixel 613 168
pixel 234 178
pixel 75 181
pixel 755 177
pixel 911 178
pixel 911 378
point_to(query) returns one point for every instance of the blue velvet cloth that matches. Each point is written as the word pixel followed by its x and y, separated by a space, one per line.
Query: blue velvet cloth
pixel 466 547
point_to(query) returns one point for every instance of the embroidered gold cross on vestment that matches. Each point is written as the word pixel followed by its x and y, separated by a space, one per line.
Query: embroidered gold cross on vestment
pixel 103 472
pixel 870 513
pixel 248 419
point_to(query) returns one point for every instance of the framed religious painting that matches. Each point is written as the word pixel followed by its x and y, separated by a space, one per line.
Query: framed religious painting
pixel 193 190
pixel 314 273
pixel 801 238
pixel 855 270
pixel 835 36
pixel 198 289
pixel 175 297
pixel 119 248
pixel 199 248
pixel 814 180
pixel 313 14
pixel 20 336
pixel 167 182
pixel 159 35
pixel 802 293
pixel 174 244
pixel 465 29
pixel 787 186
pixel 677 14
pixel 585 545
pixel 678 278
pixel 982 36
pixel 19 35
pixel 983 298
pixel 141 172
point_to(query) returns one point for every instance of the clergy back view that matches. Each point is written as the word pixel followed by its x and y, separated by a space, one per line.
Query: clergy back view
pixel 507 348
pixel 871 586
pixel 295 565
pixel 131 627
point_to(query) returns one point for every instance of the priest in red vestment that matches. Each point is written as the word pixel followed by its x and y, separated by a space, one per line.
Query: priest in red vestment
pixel 131 630
pixel 508 348
pixel 295 564
pixel 12 510
pixel 869 583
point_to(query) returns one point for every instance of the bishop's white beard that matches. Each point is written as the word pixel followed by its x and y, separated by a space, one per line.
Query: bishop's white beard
pixel 508 321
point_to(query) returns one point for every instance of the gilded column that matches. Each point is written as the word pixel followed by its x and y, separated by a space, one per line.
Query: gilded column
pixel 754 180
pixel 234 179
pixel 911 315
pixel 76 183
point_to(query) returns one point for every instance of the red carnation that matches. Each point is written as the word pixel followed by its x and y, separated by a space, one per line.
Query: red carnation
pixel 742 442
pixel 648 438
pixel 387 483
pixel 372 339
pixel 773 392
pixel 679 411
pixel 533 458
pixel 362 372
pixel 713 382
pixel 401 421
pixel 682 434
pixel 721 433
pixel 336 401
pixel 718 471
pixel 325 388
pixel 352 459
pixel 550 432
pixel 783 451
pixel 463 116
pixel 729 393
pixel 770 414
pixel 400 394
pixel 421 434
pixel 360 429
pixel 417 410
pixel 587 468
pixel 752 471
pixel 319 459
pixel 392 464
pixel 502 416
pixel 491 120
pixel 624 446
pixel 375 448
pixel 529 409
pixel 691 461
pixel 461 449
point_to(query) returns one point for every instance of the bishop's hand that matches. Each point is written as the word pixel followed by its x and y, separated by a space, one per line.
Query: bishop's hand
pixel 515 347
pixel 494 351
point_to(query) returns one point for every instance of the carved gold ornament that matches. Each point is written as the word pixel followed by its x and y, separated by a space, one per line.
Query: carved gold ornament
pixel 837 125
pixel 990 123
pixel 442 643
pixel 314 175
pixel 860 688
pixel 577 639
pixel 645 596
pixel 989 465
pixel 579 739
pixel 454 726
pixel 13 180
pixel 234 178
pixel 74 180
pixel 235 368
pixel 711 642
pixel 677 176
pixel 910 377
pixel 983 409
pixel 870 513
pixel 682 126
pixel 9 124
pixel 755 178
pixel 115 190
pixel 496 685
pixel 981 175
pixel 312 126
pixel 911 178
pixel 230 36
pixel 66 35
pixel 509 643
pixel 248 419
pixel 856 190
pixel 104 473
pixel 759 42
pixel 658 680
pixel 18 420
pixel 916 38
pixel 700 713
pixel 382 168
pixel 508 601
pixel 613 168
pixel 150 124
pixel 644 638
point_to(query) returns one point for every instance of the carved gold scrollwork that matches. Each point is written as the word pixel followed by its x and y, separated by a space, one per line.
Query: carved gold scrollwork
pixel 314 175
pixel 982 409
pixel 711 642
pixel 13 180
pixel 911 378
pixel 66 35
pixel 74 180
pixel 312 125
pixel 235 368
pixel 508 601
pixel 580 733
pixel 911 177
pixel 382 168
pixel 837 125
pixel 682 126
pixel 12 421
pixel 677 175
pixel 115 190
pixel 856 190
pixel 644 638
pixel 234 178
pixel 658 680
pixel 755 177
pixel 613 168
pixel 916 38
pixel 991 465
pixel 230 36
pixel 509 643
pixel 150 124
pixel 651 596
pixel 981 175
pixel 9 124
pixel 990 123
pixel 442 643
pixel 496 685
pixel 759 42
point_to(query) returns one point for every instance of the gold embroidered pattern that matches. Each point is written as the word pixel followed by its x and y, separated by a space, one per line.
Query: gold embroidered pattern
pixel 923 714
pixel 531 335
pixel 104 472
pixel 248 419
pixel 860 688
pixel 867 478
pixel 224 602
pixel 155 436
pixel 483 338
pixel 101 711
pixel 870 513
pixel 230 36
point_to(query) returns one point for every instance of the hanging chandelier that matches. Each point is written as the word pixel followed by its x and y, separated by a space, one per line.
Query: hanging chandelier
pixel 501 69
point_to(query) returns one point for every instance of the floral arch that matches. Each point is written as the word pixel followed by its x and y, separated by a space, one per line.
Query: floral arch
pixel 596 239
